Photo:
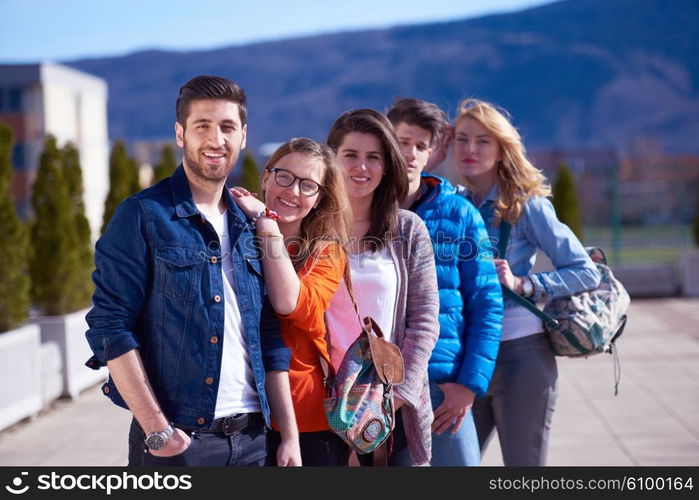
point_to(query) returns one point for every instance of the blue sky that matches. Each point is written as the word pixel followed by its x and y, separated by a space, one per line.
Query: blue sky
pixel 39 30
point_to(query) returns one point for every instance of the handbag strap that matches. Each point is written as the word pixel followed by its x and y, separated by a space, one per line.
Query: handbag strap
pixel 328 370
pixel 507 292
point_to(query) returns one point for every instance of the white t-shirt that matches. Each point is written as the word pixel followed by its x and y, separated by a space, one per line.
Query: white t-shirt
pixel 375 285
pixel 519 322
pixel 236 388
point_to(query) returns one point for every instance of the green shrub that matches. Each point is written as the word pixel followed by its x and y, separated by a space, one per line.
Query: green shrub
pixel 166 164
pixel 81 279
pixel 565 200
pixel 14 246
pixel 250 176
pixel 55 266
pixel 123 180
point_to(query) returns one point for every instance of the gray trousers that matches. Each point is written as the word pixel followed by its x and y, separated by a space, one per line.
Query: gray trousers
pixel 520 401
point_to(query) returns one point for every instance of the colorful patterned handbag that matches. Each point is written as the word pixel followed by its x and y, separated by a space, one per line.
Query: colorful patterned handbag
pixel 359 397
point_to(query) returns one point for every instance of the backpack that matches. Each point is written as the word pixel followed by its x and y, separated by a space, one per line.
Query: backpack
pixel 359 400
pixel 359 397
pixel 585 323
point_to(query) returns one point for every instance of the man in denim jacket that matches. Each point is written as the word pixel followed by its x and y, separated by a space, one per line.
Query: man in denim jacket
pixel 180 314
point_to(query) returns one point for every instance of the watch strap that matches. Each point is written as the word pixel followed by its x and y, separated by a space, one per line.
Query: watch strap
pixel 165 435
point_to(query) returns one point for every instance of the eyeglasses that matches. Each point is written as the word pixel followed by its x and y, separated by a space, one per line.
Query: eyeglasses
pixel 284 178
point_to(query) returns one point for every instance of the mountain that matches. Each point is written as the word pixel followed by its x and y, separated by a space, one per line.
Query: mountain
pixel 573 74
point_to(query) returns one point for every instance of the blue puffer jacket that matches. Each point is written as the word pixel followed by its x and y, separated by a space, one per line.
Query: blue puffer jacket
pixel 470 300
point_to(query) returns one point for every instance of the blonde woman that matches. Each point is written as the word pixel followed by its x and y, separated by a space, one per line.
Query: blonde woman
pixel 303 226
pixel 511 194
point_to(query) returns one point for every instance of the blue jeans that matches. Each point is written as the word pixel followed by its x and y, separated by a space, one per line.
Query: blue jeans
pixel 242 448
pixel 454 449
pixel 323 448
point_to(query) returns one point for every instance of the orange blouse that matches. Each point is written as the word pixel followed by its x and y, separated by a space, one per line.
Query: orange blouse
pixel 303 332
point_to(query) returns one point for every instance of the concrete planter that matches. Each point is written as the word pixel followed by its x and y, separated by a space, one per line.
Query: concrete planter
pixel 68 333
pixel 689 273
pixel 20 391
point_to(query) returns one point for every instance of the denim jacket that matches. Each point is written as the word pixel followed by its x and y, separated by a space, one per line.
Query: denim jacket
pixel 159 288
pixel 538 227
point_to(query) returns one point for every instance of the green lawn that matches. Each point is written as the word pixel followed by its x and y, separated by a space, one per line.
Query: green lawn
pixel 642 244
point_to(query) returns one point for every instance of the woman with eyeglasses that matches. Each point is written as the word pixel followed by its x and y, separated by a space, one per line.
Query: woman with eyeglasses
pixel 512 196
pixel 392 272
pixel 303 228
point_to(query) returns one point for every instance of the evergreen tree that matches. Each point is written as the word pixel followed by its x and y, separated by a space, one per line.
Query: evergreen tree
pixel 166 164
pixel 123 180
pixel 250 177
pixel 565 200
pixel 74 180
pixel 55 258
pixel 134 177
pixel 14 246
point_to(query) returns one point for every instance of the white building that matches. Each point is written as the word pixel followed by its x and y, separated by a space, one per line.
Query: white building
pixel 47 98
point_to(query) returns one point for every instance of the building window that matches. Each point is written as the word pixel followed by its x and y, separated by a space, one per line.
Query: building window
pixel 10 99
pixel 14 99
pixel 18 157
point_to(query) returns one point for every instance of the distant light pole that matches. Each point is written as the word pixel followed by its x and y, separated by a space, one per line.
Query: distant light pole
pixel 616 214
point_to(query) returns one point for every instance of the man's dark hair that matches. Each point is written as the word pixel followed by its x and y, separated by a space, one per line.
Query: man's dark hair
pixel 420 113
pixel 210 87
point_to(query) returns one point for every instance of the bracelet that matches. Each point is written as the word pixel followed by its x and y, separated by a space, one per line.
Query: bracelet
pixel 271 214
pixel 270 234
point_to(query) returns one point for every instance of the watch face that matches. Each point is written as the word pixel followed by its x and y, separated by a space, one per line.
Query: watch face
pixel 155 442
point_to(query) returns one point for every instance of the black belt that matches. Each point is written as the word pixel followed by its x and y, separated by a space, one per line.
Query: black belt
pixel 228 425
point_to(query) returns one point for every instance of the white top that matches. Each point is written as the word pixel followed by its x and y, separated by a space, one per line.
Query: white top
pixel 236 388
pixel 519 322
pixel 375 285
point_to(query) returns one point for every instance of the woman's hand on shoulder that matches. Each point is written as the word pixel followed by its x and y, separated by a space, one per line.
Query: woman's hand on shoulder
pixel 247 201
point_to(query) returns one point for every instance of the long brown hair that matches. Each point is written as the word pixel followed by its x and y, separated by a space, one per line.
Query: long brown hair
pixel 518 179
pixel 393 187
pixel 330 221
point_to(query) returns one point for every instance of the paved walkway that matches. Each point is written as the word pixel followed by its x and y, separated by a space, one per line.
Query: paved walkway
pixel 653 421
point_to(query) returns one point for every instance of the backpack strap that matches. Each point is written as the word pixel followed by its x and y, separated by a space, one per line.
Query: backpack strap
pixel 507 292
pixel 328 370
pixel 614 349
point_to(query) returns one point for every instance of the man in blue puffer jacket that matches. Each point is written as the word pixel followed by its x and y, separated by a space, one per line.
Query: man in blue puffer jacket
pixel 470 300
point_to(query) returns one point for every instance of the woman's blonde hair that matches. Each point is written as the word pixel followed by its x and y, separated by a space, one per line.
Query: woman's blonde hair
pixel 518 180
pixel 330 221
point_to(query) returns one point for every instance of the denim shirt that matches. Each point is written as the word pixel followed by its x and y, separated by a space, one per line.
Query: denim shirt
pixel 159 288
pixel 538 227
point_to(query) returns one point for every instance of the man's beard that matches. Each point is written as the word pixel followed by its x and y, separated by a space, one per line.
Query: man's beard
pixel 208 173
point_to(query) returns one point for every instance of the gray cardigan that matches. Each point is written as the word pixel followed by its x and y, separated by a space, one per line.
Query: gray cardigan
pixel 416 328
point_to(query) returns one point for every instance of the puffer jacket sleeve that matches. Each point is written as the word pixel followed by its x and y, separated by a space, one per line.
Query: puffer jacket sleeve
pixel 483 306
pixel 422 307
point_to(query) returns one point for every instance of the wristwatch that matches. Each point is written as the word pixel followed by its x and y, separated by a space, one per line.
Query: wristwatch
pixel 527 286
pixel 158 440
